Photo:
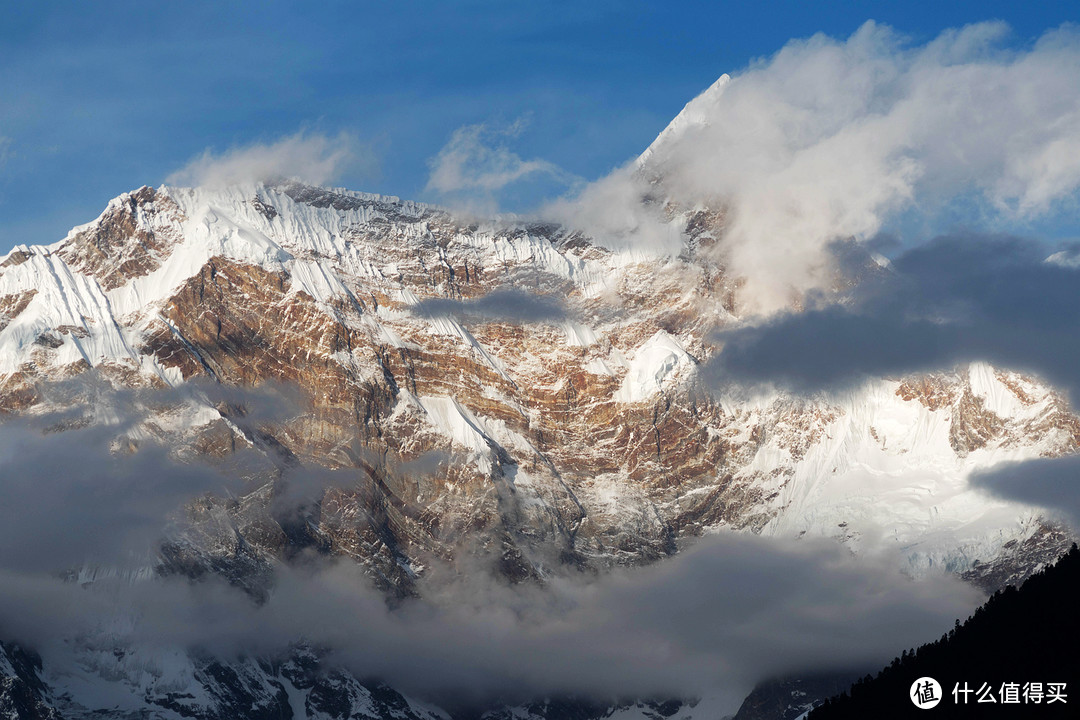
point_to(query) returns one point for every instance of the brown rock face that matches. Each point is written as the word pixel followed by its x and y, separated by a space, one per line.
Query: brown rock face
pixel 973 426
pixel 12 305
pixel 130 240
pixel 17 257
pixel 933 391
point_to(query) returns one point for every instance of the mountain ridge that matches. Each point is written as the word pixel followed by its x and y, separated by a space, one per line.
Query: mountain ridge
pixel 68 311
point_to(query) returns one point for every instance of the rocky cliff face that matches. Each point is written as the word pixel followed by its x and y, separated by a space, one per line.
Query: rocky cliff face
pixel 513 392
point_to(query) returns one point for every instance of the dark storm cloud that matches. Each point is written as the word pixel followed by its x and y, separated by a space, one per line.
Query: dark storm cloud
pixel 958 298
pixel 1052 483
pixel 510 305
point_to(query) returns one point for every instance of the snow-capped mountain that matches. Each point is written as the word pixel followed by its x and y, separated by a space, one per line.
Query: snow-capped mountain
pixel 512 391
pixel 592 417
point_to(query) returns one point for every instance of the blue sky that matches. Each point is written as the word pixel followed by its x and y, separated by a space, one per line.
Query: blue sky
pixel 100 98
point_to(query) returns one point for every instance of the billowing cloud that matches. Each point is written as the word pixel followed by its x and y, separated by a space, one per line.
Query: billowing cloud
pixel 833 139
pixel 312 158
pixel 619 213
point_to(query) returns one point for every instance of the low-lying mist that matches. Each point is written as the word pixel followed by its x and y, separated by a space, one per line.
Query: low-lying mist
pixel 724 613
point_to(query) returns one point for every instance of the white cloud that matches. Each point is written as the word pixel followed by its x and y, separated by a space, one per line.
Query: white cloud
pixel 614 211
pixel 315 159
pixel 476 164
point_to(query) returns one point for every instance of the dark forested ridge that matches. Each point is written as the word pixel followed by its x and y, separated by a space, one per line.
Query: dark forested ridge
pixel 1017 650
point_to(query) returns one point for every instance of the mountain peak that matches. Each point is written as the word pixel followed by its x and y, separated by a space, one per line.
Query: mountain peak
pixel 695 113
pixel 130 239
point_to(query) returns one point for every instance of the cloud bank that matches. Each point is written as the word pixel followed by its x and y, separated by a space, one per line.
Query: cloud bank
pixel 716 618
pixel 959 298
pixel 312 158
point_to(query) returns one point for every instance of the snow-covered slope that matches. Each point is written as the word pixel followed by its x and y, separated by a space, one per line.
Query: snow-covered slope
pixel 892 469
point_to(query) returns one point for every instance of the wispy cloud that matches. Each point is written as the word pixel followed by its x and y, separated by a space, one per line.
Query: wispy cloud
pixel 477 163
pixel 619 213
pixel 312 158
